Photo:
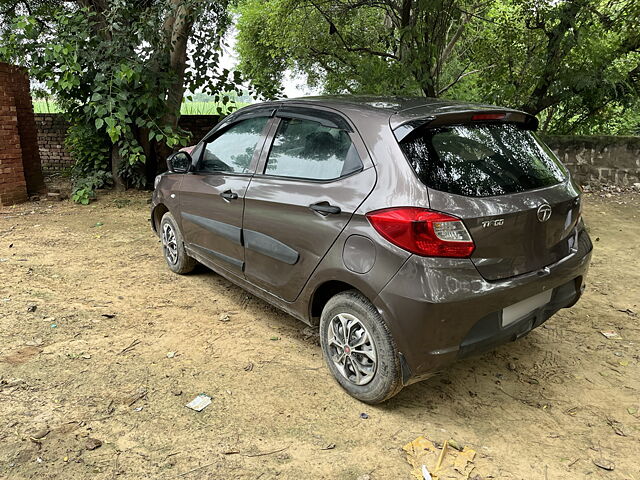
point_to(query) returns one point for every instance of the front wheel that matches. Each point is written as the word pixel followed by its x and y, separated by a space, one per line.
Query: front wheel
pixel 173 246
pixel 359 349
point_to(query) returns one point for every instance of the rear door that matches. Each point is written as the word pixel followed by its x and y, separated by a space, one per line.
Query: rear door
pixel 306 189
pixel 515 197
pixel 212 197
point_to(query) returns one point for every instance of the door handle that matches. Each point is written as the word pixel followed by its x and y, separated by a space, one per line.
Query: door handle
pixel 325 208
pixel 229 195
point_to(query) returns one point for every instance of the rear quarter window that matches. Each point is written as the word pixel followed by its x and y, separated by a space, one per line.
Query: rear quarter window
pixel 482 160
pixel 308 150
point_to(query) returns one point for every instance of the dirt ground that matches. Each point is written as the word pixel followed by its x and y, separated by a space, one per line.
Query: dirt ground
pixel 117 345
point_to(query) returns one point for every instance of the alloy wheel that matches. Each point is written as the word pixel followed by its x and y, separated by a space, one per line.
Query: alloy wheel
pixel 169 244
pixel 352 349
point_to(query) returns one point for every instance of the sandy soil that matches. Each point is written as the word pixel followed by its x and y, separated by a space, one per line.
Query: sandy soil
pixel 117 345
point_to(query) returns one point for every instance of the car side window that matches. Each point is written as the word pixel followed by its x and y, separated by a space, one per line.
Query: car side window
pixel 232 151
pixel 310 150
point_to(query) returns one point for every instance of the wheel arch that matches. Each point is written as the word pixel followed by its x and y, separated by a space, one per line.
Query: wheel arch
pixel 323 293
pixel 156 216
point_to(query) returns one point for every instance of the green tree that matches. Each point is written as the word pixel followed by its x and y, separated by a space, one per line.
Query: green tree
pixel 574 63
pixel 346 46
pixel 121 67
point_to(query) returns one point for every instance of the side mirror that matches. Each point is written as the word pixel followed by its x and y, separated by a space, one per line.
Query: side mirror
pixel 179 162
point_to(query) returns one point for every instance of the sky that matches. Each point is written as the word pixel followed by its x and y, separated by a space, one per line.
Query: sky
pixel 294 85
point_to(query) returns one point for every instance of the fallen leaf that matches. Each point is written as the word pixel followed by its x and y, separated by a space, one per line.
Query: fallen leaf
pixel 618 427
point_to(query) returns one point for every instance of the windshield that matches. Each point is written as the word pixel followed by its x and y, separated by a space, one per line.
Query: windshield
pixel 482 160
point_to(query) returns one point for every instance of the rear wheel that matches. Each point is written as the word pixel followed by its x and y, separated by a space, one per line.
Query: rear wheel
pixel 173 246
pixel 359 349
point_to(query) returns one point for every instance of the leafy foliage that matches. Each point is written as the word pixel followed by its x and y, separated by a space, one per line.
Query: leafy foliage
pixel 90 149
pixel 121 68
pixel 574 63
pixel 376 46
pixel 84 187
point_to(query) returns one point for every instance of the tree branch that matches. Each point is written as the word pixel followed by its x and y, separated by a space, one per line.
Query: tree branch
pixel 346 46
pixel 461 75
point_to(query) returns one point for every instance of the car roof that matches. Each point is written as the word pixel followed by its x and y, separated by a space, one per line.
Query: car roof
pixel 397 110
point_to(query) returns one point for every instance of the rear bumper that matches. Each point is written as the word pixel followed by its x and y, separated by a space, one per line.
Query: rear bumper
pixel 440 309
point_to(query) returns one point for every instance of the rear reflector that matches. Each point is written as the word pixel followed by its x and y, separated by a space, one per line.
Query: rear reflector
pixel 423 232
pixel 488 116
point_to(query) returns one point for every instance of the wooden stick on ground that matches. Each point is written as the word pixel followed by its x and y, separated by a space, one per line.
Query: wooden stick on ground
pixel 441 457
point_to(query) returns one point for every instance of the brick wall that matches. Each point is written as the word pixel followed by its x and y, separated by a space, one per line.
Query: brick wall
pixel 52 129
pixel 597 160
pixel 20 169
pixel 592 160
pixel 198 125
pixel 27 131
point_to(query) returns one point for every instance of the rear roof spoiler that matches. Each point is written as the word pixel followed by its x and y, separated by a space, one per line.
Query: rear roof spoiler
pixel 522 119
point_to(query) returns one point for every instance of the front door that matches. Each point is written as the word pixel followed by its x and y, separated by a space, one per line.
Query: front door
pixel 212 197
pixel 309 186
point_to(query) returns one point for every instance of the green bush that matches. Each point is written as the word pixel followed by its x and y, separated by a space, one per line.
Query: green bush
pixel 89 148
pixel 84 186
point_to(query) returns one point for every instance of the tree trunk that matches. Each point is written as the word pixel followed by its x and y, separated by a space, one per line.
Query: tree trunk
pixel 177 27
pixel 178 30
pixel 116 160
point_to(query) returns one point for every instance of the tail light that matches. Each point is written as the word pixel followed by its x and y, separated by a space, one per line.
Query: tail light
pixel 423 232
pixel 488 116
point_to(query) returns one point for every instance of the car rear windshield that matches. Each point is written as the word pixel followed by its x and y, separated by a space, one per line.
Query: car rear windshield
pixel 482 160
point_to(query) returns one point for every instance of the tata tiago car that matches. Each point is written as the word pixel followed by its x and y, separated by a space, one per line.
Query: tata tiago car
pixel 411 232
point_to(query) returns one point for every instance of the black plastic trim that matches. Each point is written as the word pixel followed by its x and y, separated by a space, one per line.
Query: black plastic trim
pixel 225 230
pixel 269 246
pixel 323 117
pixel 239 264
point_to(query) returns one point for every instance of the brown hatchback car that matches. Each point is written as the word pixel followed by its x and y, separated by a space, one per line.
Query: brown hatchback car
pixel 412 231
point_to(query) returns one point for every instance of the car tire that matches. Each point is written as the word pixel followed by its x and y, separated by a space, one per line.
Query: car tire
pixel 353 313
pixel 173 246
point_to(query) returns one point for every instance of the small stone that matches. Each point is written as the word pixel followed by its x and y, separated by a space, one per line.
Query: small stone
pixel 604 464
pixel 511 366
pixel 224 317
pixel 92 443
pixel 32 308
pixel 43 432
pixel 171 354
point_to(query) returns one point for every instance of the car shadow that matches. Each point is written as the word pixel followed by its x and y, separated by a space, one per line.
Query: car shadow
pixel 486 380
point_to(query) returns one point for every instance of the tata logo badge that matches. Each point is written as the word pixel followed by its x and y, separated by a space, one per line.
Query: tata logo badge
pixel 544 212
